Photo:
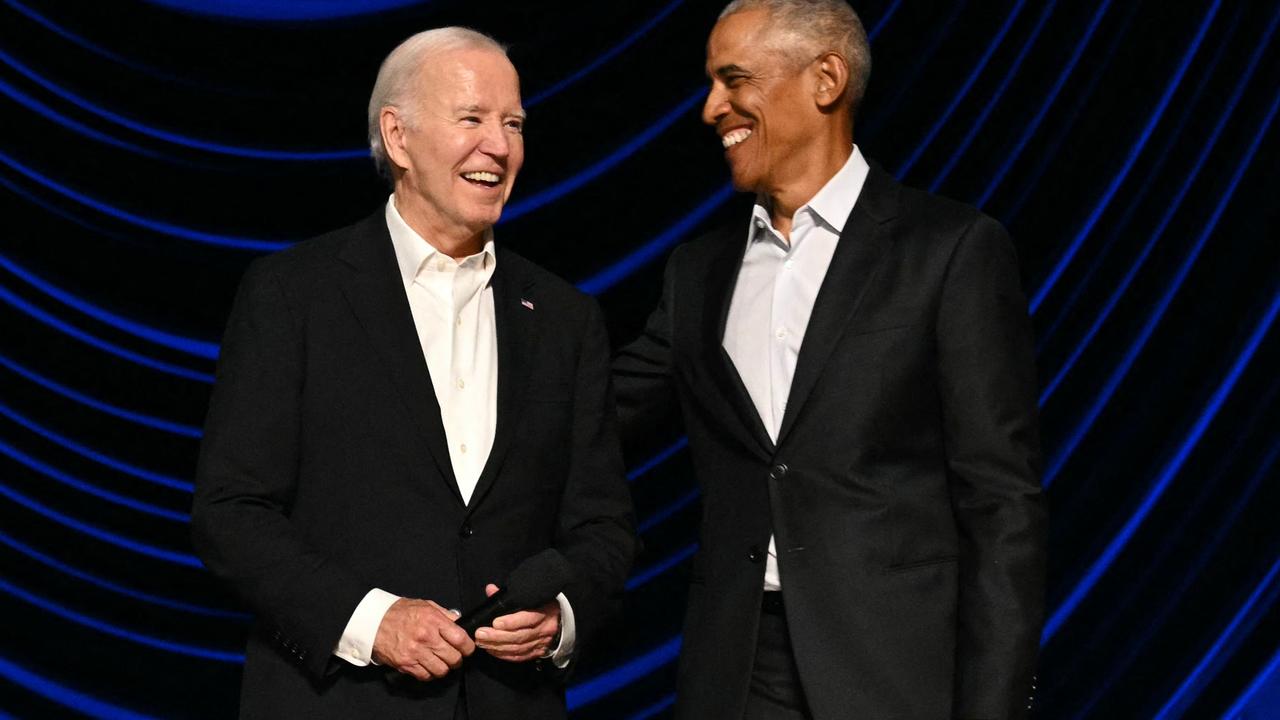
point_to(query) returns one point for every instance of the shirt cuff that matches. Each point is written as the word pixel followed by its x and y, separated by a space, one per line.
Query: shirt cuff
pixel 356 644
pixel 563 653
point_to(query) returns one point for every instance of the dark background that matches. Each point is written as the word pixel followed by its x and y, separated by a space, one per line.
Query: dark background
pixel 151 149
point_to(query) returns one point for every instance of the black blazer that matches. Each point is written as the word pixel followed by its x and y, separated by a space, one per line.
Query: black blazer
pixel 904 487
pixel 324 472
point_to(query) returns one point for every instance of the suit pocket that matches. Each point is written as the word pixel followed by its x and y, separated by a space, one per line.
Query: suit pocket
pixel 889 319
pixel 920 564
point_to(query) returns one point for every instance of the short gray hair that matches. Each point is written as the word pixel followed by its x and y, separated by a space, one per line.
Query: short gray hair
pixel 804 29
pixel 394 86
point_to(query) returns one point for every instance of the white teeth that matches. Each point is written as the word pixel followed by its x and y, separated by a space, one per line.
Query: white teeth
pixel 482 176
pixel 733 138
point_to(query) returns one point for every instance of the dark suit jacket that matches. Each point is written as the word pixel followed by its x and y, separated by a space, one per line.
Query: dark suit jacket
pixel 324 472
pixel 904 487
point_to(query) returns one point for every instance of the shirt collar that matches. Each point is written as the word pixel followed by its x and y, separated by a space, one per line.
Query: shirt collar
pixel 833 203
pixel 413 252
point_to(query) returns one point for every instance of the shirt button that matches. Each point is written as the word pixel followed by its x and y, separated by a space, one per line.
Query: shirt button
pixel 463 448
pixel 459 323
pixel 461 383
pixel 781 333
pixel 440 265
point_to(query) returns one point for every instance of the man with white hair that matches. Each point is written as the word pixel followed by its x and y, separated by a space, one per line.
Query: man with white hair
pixel 404 412
pixel 853 365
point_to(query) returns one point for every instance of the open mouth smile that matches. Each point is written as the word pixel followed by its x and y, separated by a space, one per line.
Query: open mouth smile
pixel 483 179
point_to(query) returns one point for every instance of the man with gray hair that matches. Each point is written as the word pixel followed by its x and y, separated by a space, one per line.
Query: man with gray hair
pixel 404 413
pixel 854 370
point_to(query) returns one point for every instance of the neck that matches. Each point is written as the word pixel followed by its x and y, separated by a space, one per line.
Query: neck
pixel 452 239
pixel 806 173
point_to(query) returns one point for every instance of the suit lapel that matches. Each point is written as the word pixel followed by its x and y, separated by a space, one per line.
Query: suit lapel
pixel 721 278
pixel 858 254
pixel 516 343
pixel 376 294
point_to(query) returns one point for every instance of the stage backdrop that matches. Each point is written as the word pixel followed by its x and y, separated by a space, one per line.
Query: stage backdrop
pixel 150 150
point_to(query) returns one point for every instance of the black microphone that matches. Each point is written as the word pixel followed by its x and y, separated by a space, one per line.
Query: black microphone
pixel 534 583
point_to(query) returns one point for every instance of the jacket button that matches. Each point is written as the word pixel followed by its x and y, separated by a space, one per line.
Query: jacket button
pixel 777 472
pixel 466 531
pixel 754 554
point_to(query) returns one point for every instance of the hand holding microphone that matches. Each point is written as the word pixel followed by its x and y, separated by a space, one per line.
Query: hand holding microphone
pixel 520 621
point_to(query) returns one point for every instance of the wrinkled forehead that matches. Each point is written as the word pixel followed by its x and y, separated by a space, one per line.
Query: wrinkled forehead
pixel 478 76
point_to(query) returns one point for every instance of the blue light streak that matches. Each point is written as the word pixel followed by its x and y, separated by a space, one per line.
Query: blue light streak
pixel 108 347
pixel 647 253
pixel 117 588
pixel 176 138
pixel 65 696
pixel 667 701
pixel 1134 151
pixel 1170 470
pixel 1238 708
pixel 164 228
pixel 40 108
pixel 662 456
pixel 906 166
pixel 1171 209
pixel 553 193
pixel 1190 573
pixel 1172 138
pixel 101 458
pixel 115 631
pixel 666 512
pixel 285 10
pixel 89 45
pixel 178 558
pixel 1034 125
pixel 191 346
pixel 1176 705
pixel 589 691
pixel 54 473
pixel 884 20
pixel 1060 457
pixel 169 426
pixel 995 97
pixel 604 57
pixel 640 578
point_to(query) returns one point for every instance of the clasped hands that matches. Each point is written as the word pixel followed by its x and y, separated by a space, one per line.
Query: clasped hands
pixel 422 639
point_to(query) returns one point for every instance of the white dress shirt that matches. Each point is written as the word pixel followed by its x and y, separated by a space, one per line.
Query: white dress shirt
pixel 452 306
pixel 774 295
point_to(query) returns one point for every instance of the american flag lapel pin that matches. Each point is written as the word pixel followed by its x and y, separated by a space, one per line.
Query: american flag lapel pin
pixel 526 303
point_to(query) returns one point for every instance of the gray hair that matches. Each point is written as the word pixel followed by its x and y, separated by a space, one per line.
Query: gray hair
pixel 394 86
pixel 802 30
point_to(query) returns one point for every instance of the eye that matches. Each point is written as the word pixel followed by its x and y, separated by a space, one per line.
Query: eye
pixel 471 120
pixel 516 126
pixel 734 80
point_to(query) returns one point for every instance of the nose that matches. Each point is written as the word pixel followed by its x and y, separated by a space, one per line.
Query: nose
pixel 495 141
pixel 716 105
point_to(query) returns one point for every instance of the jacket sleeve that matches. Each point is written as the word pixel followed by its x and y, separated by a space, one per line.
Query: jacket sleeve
pixel 596 526
pixel 987 382
pixel 644 374
pixel 247 476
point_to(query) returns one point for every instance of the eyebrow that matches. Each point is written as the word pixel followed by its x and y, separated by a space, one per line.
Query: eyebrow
pixel 478 109
pixel 728 69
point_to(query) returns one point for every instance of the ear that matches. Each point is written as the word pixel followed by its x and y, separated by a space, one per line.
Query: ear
pixel 831 73
pixel 392 125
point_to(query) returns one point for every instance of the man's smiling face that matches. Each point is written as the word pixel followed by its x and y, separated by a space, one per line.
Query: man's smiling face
pixel 759 103
pixel 462 143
